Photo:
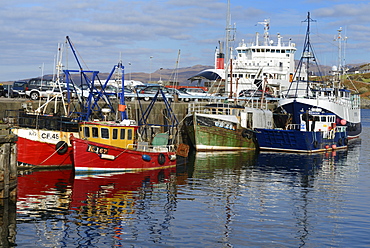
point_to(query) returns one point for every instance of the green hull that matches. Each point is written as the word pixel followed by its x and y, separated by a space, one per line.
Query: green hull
pixel 207 137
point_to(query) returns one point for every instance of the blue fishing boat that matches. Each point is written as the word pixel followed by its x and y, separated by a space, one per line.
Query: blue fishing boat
pixel 316 132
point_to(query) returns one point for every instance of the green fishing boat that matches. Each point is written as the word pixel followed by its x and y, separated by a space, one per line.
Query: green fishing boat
pixel 224 127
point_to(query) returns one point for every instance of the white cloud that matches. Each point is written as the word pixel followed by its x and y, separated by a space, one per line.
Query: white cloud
pixel 101 30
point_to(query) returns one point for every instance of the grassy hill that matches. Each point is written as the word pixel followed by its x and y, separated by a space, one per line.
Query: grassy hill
pixel 361 82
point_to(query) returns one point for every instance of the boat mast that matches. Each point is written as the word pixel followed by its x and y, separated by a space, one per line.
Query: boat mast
pixel 341 59
pixel 307 54
pixel 229 38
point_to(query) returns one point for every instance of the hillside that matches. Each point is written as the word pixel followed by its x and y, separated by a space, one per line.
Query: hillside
pixel 166 75
pixel 361 82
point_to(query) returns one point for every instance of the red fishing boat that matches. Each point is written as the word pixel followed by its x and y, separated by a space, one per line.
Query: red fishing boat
pixel 43 140
pixel 111 146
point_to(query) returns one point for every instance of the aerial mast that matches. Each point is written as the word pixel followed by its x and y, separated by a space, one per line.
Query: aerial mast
pixel 229 38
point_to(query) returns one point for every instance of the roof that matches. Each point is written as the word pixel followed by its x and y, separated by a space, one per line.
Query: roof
pixel 206 74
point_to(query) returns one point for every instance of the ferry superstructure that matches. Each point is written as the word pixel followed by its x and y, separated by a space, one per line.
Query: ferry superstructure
pixel 261 64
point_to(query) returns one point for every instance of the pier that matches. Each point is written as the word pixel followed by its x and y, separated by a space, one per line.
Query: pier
pixel 8 186
pixel 8 163
pixel 9 106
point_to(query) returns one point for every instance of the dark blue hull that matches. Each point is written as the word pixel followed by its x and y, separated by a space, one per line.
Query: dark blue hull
pixel 299 141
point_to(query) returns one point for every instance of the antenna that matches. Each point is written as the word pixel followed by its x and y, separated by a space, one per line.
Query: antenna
pixel 341 52
pixel 266 36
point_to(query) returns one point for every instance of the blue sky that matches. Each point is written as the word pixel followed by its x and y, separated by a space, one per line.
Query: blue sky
pixel 103 31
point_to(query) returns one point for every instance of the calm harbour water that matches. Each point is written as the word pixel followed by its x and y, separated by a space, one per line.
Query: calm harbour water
pixel 215 200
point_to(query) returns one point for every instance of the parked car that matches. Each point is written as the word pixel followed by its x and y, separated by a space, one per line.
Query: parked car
pixel 40 88
pixel 194 91
pixel 253 93
pixel 149 92
pixel 129 94
pixel 2 91
pixel 19 89
pixel 182 96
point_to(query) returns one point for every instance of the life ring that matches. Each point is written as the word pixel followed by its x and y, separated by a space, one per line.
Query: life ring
pixel 340 141
pixel 246 134
pixel 61 147
pixel 161 158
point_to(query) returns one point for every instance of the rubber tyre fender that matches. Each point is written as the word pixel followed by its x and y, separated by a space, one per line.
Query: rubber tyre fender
pixel 61 147
pixel 246 134
pixel 316 144
pixel 161 159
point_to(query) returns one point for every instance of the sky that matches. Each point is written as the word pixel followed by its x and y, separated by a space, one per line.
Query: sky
pixel 148 35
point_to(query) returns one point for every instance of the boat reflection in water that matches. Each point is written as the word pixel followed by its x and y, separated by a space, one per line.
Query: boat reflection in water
pixel 116 191
pixel 43 193
pixel 201 164
pixel 261 190
pixel 217 195
pixel 64 206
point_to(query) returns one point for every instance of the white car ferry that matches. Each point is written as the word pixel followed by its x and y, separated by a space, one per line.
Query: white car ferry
pixel 262 64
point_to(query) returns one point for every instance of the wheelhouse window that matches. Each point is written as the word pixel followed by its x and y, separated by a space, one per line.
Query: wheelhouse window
pixel 104 133
pixel 87 132
pixel 115 133
pixel 122 134
pixel 95 132
pixel 129 134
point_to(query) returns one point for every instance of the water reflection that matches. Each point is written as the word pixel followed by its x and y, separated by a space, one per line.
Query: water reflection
pixel 292 183
pixel 266 192
pixel 43 194
pixel 58 208
pixel 213 200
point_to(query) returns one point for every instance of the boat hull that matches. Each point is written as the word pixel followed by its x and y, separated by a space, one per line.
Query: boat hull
pixel 299 141
pixel 39 148
pixel 96 157
pixel 209 133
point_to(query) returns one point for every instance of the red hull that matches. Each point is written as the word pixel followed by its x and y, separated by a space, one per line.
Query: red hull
pixel 41 154
pixel 116 159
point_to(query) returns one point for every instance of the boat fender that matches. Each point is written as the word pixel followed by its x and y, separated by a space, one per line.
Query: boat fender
pixel 146 157
pixel 161 158
pixel 172 157
pixel 340 142
pixel 316 144
pixel 331 134
pixel 246 134
pixel 61 147
pixel 107 156
pixel 346 141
